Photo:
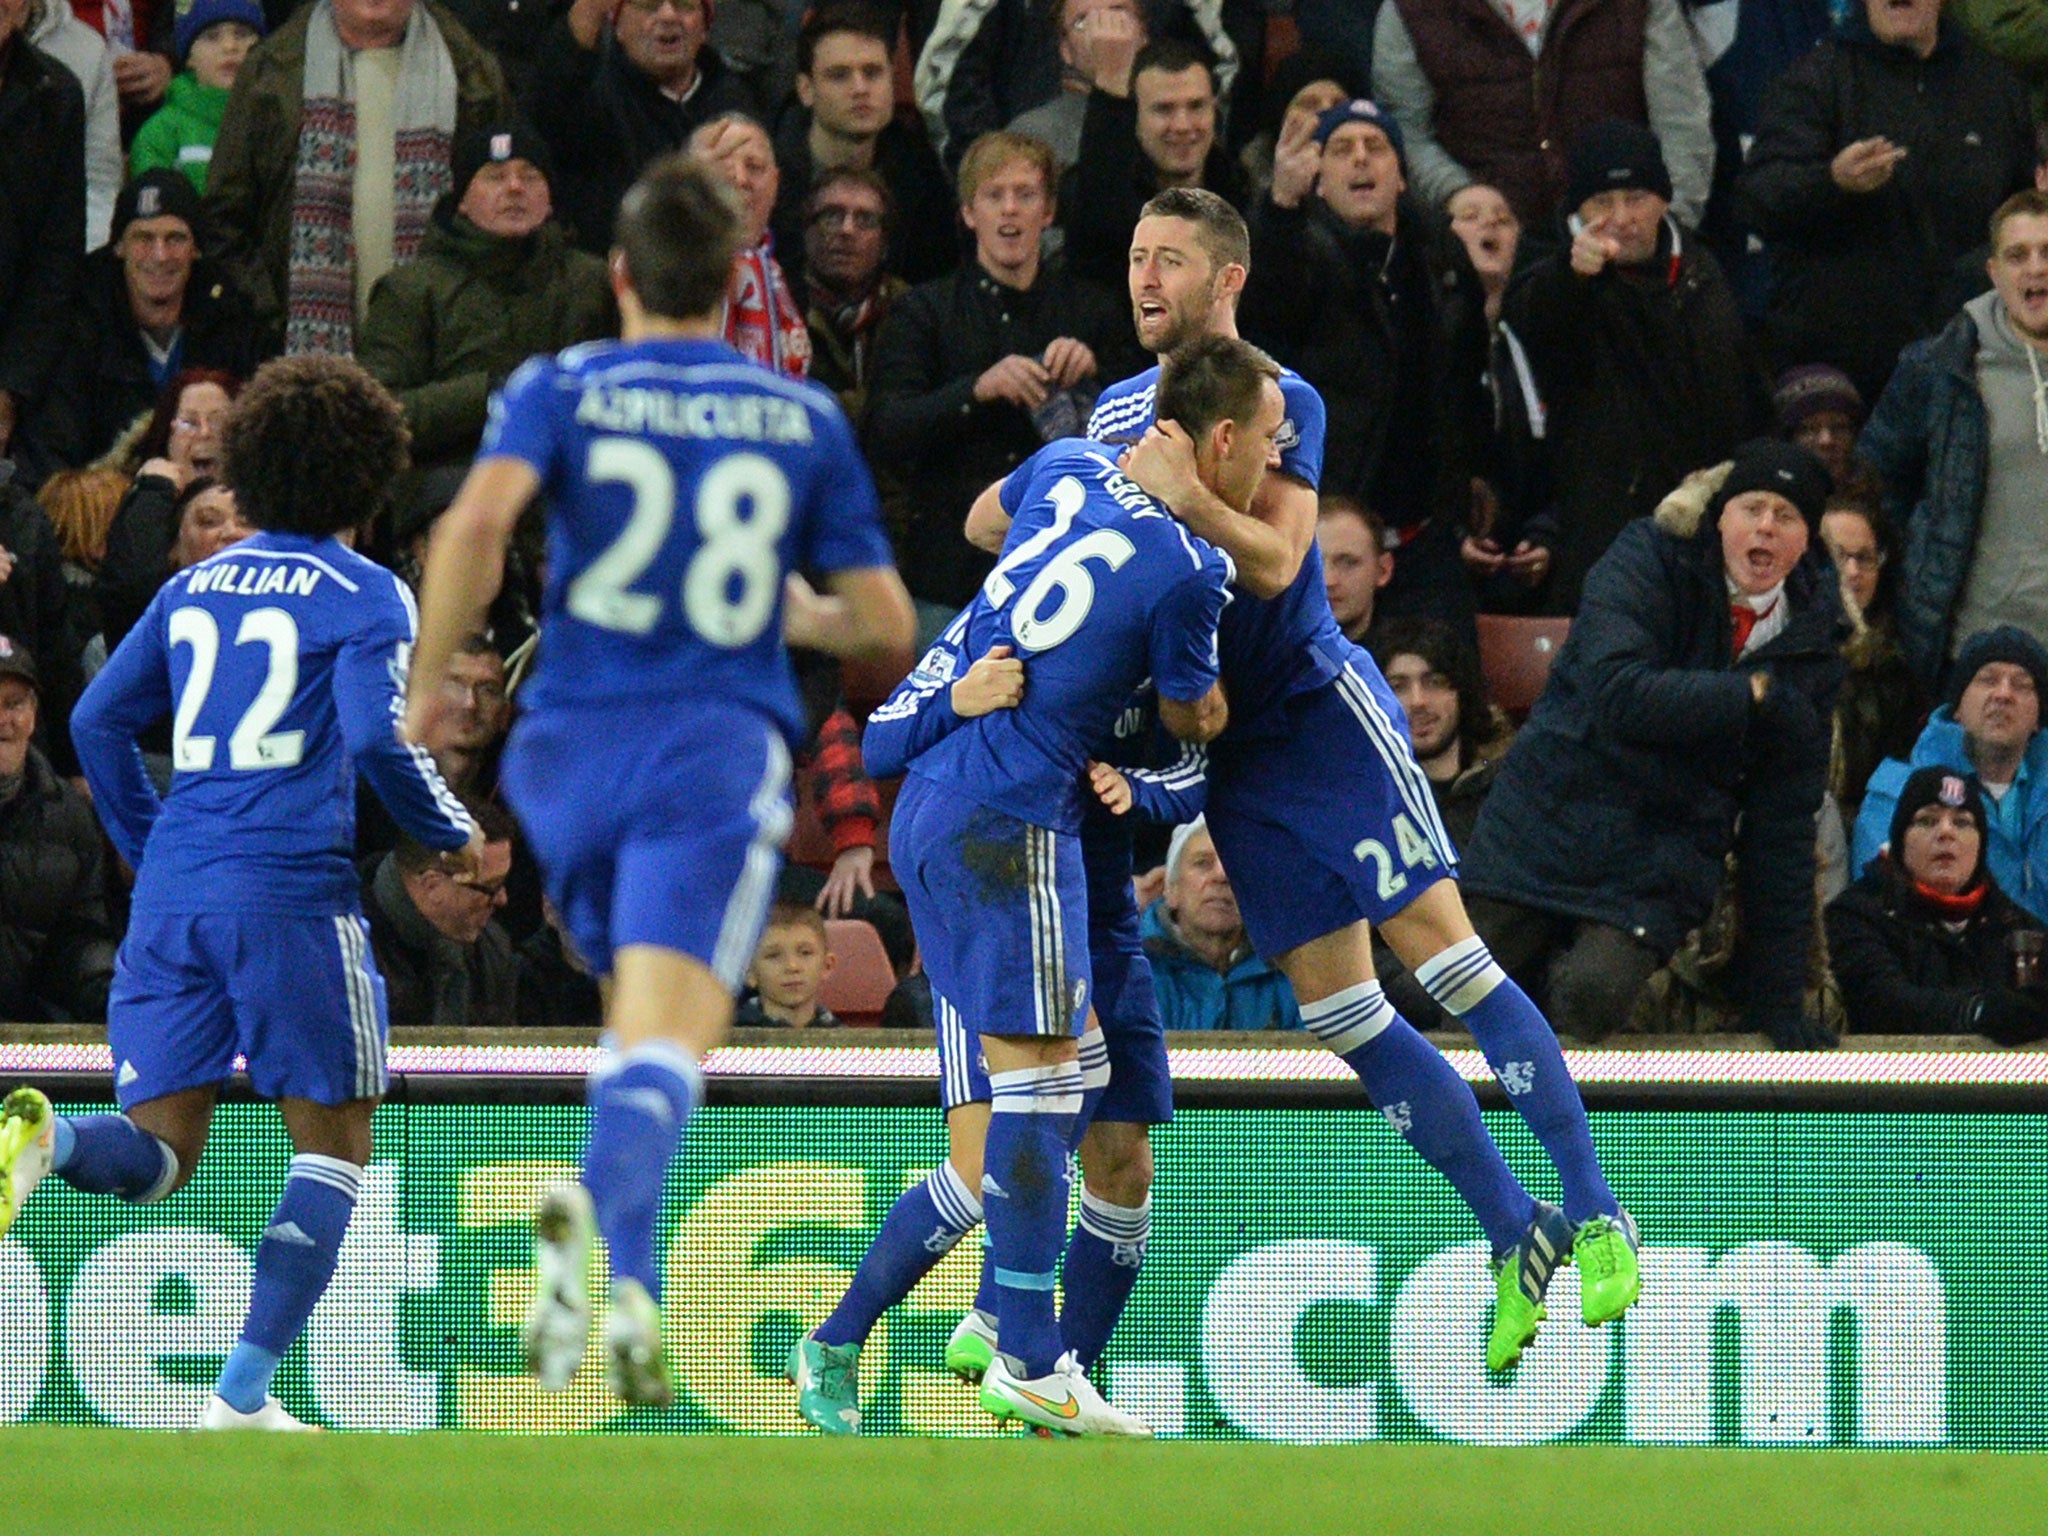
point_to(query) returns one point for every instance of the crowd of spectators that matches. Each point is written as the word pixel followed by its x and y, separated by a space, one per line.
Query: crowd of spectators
pixel 1717 329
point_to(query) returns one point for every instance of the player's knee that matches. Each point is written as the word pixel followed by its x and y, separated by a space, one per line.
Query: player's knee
pixel 1116 1163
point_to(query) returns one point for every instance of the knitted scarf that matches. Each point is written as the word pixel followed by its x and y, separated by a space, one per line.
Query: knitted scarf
pixel 762 321
pixel 320 298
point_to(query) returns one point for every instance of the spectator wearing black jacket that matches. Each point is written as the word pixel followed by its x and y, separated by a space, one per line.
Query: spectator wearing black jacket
pixel 35 610
pixel 1158 131
pixel 1686 717
pixel 42 214
pixel 150 306
pixel 846 120
pixel 56 946
pixel 976 371
pixel 617 85
pixel 1877 163
pixel 1638 353
pixel 445 963
pixel 1372 299
pixel 1926 943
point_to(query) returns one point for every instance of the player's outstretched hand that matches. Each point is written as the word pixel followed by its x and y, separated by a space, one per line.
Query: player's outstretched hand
pixel 853 875
pixel 1162 463
pixel 1111 788
pixel 995 681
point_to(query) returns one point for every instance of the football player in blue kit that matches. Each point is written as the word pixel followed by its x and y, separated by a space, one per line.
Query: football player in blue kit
pixel 687 491
pixel 985 840
pixel 279 662
pixel 1328 826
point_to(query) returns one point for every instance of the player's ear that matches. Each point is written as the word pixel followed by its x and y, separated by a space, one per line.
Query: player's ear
pixel 1232 281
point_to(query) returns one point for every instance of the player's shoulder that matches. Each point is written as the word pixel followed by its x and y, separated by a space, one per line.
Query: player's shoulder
pixel 1125 408
pixel 1299 394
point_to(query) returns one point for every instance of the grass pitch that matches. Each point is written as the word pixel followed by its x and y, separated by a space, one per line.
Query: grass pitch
pixel 88 1481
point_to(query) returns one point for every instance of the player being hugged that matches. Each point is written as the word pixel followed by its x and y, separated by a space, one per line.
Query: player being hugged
pixel 1098 589
pixel 279 662
pixel 687 488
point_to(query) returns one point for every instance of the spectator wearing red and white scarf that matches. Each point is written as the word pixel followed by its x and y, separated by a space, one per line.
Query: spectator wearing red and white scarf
pixel 762 320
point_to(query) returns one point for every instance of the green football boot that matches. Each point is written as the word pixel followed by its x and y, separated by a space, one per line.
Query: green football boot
pixel 1610 1278
pixel 28 1130
pixel 972 1346
pixel 1521 1279
pixel 827 1378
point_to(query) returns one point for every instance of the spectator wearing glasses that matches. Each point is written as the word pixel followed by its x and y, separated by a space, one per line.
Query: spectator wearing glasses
pixel 1882 705
pixel 850 289
pixel 846 120
pixel 446 964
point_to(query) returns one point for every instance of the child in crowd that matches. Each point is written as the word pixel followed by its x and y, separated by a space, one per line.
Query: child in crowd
pixel 788 972
pixel 213 38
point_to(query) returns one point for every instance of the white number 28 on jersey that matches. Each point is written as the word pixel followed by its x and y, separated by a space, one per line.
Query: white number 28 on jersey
pixel 733 548
pixel 1066 572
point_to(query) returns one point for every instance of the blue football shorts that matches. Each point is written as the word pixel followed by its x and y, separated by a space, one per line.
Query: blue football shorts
pixel 662 825
pixel 298 996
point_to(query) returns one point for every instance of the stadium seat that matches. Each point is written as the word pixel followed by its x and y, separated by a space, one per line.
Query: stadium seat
pixel 861 978
pixel 1515 656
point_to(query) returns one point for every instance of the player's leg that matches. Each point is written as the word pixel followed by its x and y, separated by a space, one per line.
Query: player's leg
pixel 1434 937
pixel 296 1258
pixel 666 1011
pixel 1434 1110
pixel 171 1031
pixel 141 1157
pixel 1107 1248
pixel 921 1228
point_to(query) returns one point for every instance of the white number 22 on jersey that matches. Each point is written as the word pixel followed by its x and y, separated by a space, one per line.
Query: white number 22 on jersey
pixel 732 547
pixel 254 743
pixel 1066 572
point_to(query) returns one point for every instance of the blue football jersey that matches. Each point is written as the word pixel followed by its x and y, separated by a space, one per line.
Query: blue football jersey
pixel 682 482
pixel 1273 648
pixel 1098 588
pixel 281 662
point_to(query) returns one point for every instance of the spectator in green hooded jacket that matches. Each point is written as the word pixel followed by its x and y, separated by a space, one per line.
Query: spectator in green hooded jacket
pixel 213 38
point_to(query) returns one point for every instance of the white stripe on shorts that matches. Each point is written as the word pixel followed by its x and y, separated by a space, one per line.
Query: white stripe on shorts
pixel 1048 940
pixel 362 1008
pixel 1398 754
pixel 739 934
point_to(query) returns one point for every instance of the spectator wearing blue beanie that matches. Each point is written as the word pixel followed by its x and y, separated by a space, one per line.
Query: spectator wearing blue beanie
pixel 213 38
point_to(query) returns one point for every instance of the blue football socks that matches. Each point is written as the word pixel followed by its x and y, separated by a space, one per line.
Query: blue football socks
pixel 640 1100
pixel 1024 1187
pixel 1425 1100
pixel 294 1262
pixel 920 1229
pixel 112 1155
pixel 1103 1259
pixel 1522 1049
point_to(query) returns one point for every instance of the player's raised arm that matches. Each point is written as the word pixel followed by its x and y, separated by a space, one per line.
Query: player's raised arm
pixel 465 567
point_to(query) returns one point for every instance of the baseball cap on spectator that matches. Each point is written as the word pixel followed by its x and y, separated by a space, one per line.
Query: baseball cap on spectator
pixel 210 13
pixel 157 194
pixel 1766 464
pixel 495 144
pixel 1359 110
pixel 1940 786
pixel 15 661
pixel 1614 156
pixel 1804 392
pixel 2004 642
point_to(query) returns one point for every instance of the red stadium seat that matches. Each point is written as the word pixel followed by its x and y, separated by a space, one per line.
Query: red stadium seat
pixel 861 978
pixel 1515 656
